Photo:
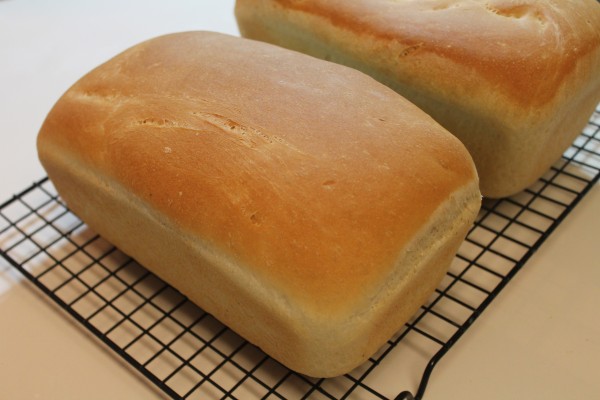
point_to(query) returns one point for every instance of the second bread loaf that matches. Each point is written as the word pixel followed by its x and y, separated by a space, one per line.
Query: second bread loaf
pixel 515 81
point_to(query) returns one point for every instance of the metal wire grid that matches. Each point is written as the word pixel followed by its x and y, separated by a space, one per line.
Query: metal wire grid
pixel 189 354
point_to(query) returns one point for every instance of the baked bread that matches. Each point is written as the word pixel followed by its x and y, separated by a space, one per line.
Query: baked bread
pixel 302 203
pixel 515 81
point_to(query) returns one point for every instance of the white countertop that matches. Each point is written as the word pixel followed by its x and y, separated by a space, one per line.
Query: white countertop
pixel 539 339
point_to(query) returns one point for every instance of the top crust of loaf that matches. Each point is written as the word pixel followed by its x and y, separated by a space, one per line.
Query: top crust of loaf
pixel 312 174
pixel 508 43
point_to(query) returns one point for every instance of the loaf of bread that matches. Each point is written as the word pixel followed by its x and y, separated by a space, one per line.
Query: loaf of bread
pixel 302 203
pixel 515 81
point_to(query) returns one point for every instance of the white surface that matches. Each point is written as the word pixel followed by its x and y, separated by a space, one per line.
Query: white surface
pixel 539 339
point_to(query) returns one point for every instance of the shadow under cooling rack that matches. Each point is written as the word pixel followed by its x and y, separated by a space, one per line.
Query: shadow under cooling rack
pixel 189 354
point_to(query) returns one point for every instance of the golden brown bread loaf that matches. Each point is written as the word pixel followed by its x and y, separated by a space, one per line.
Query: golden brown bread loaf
pixel 515 81
pixel 305 205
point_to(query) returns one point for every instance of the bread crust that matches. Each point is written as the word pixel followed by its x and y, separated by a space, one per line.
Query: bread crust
pixel 516 81
pixel 279 192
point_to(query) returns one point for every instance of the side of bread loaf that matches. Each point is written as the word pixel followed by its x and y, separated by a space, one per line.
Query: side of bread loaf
pixel 516 82
pixel 308 207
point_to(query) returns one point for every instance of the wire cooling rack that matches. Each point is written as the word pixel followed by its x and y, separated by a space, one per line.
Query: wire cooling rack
pixel 189 354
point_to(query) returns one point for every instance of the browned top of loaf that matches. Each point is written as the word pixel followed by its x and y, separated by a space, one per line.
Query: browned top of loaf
pixel 312 174
pixel 510 43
